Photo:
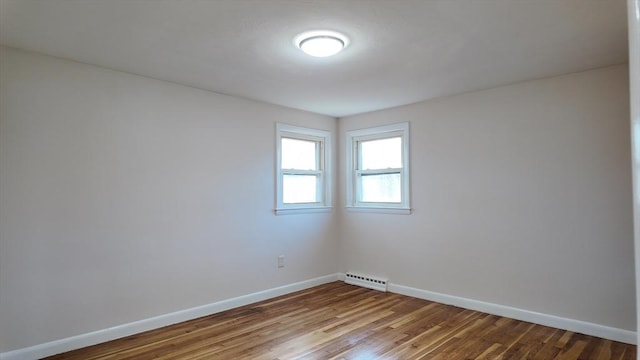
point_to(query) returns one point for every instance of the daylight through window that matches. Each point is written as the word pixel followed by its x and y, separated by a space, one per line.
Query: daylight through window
pixel 302 167
pixel 377 168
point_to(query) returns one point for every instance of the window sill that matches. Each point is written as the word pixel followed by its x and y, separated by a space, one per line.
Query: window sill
pixel 379 210
pixel 307 210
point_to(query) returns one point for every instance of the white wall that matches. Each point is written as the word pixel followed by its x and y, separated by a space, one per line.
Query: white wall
pixel 633 11
pixel 125 198
pixel 522 197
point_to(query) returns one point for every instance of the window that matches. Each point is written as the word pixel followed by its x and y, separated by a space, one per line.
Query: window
pixel 378 169
pixel 302 169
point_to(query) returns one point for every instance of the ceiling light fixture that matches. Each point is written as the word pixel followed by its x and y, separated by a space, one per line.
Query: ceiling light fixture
pixel 321 43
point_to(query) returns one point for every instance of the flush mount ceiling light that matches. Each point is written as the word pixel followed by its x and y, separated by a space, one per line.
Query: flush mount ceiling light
pixel 321 43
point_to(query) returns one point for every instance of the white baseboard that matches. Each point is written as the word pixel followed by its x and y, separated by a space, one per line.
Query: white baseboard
pixel 116 332
pixel 583 327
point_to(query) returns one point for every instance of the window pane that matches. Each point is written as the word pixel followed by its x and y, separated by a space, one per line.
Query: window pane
pixel 380 188
pixel 299 154
pixel 299 189
pixel 381 154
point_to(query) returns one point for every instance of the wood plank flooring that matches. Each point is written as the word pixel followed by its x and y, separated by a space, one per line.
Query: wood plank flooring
pixel 340 321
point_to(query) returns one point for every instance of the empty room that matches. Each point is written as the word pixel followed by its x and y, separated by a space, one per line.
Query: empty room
pixel 319 179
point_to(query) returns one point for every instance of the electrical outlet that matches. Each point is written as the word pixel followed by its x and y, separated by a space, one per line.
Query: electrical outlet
pixel 281 261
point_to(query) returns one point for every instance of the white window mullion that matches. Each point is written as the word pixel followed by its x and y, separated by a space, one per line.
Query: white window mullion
pixel 301 172
pixel 295 156
pixel 369 176
pixel 379 171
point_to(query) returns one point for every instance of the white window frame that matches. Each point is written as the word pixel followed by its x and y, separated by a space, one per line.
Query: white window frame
pixel 323 138
pixel 352 171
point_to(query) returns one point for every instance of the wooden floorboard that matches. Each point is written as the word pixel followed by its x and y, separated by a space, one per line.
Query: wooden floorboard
pixel 340 321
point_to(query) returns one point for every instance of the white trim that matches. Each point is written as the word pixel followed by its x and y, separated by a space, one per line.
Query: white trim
pixel 633 11
pixel 315 209
pixel 587 328
pixel 116 332
pixel 324 172
pixel 380 132
pixel 379 210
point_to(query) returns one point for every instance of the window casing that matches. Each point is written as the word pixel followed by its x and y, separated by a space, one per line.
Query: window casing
pixel 378 169
pixel 303 165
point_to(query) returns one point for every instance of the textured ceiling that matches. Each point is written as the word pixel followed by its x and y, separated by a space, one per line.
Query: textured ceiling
pixel 401 51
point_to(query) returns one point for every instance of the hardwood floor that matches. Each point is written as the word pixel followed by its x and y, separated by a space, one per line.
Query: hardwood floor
pixel 340 321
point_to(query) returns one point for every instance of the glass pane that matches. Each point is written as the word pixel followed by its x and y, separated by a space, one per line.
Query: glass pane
pixel 299 154
pixel 298 189
pixel 380 188
pixel 381 154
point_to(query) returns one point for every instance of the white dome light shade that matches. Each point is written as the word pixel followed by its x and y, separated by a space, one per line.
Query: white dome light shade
pixel 321 43
pixel 322 46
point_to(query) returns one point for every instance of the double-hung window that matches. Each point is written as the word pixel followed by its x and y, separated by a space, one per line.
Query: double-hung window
pixel 378 169
pixel 302 169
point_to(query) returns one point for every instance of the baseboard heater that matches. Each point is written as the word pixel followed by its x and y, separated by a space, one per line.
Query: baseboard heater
pixel 367 281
